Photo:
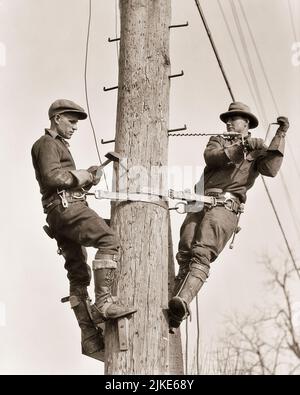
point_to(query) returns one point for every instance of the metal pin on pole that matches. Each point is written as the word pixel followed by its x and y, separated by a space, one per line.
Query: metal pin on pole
pixel 182 25
pixel 176 75
pixel 111 40
pixel 107 142
pixel 110 89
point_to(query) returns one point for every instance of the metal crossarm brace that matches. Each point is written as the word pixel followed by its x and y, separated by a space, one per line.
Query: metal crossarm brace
pixel 123 333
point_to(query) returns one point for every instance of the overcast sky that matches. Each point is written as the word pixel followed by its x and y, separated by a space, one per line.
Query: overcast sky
pixel 42 44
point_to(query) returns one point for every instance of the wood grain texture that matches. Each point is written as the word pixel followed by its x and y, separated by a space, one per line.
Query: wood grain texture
pixel 142 125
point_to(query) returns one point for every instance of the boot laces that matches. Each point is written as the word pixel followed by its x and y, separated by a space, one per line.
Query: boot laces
pixel 109 278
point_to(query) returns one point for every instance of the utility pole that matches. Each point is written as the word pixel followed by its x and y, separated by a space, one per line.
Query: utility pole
pixel 141 136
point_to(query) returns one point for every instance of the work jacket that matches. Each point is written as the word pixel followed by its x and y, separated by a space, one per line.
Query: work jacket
pixel 227 170
pixel 54 166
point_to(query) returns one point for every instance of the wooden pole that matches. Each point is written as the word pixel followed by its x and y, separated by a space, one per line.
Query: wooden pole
pixel 141 136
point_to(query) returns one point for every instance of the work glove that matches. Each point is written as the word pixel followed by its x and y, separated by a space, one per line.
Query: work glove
pixel 254 144
pixel 96 172
pixel 283 126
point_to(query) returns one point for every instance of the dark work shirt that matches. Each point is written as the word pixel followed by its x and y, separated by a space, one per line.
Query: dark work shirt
pixel 227 169
pixel 52 163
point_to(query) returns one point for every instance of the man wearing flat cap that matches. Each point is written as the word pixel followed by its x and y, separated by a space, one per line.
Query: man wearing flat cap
pixel 232 165
pixel 75 226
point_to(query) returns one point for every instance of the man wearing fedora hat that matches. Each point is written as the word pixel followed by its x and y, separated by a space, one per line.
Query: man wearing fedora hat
pixel 75 226
pixel 232 166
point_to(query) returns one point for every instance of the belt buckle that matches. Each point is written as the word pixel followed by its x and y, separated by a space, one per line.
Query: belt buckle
pixel 231 201
pixel 213 199
pixel 213 202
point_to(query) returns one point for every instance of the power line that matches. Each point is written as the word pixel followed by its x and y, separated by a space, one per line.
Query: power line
pixel 237 53
pixel 292 21
pixel 265 74
pixel 266 187
pixel 86 86
pixel 256 87
pixel 290 205
pixel 259 57
pixel 281 227
pixel 296 40
pixel 214 48
pixel 248 59
pixel 262 66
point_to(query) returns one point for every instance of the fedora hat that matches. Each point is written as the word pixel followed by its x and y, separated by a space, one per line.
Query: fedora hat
pixel 238 108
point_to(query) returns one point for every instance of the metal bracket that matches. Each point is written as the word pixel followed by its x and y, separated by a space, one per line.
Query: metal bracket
pixel 123 333
pixel 110 89
pixel 111 40
pixel 182 25
pixel 176 75
pixel 107 142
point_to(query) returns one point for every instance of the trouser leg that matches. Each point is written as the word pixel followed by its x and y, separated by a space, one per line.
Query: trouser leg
pixel 184 255
pixel 84 226
pixel 211 235
pixel 78 271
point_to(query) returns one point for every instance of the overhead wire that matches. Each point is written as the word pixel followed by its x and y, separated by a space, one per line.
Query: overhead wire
pixel 237 53
pixel 259 57
pixel 292 21
pixel 265 185
pixel 262 110
pixel 296 39
pixel 249 63
pixel 265 74
pixel 214 48
pixel 256 87
pixel 280 224
pixel 290 205
pixel 86 86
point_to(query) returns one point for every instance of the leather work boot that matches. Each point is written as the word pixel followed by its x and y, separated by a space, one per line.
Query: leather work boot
pixel 92 339
pixel 179 304
pixel 184 268
pixel 106 307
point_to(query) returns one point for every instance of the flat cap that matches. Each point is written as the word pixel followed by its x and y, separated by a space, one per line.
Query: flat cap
pixel 62 105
